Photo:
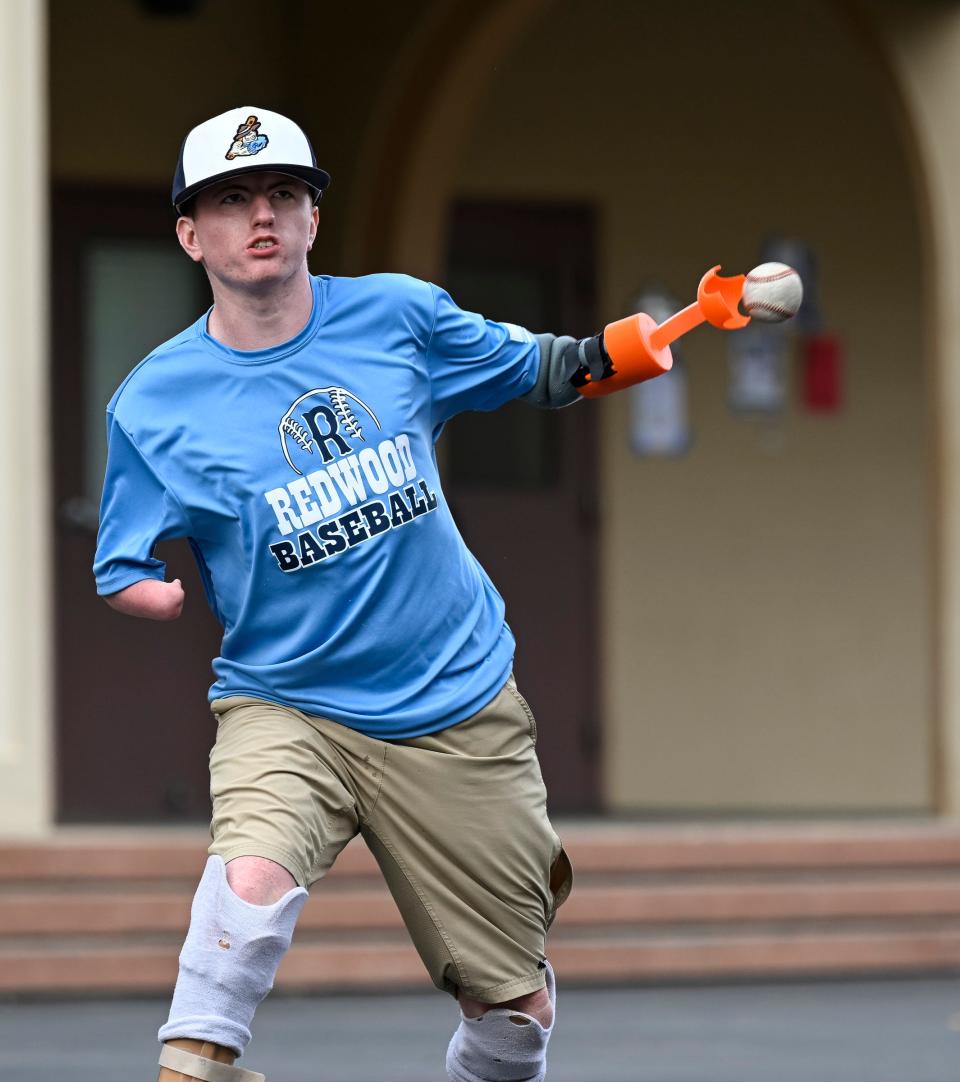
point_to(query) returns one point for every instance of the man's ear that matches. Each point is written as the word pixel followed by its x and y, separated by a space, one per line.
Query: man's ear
pixel 314 221
pixel 189 241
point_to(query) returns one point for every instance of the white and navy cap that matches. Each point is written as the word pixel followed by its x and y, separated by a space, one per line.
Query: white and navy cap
pixel 240 141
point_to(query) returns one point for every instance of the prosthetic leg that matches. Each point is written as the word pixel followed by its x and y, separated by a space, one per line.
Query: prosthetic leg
pixel 185 1060
pixel 227 966
pixel 502 1045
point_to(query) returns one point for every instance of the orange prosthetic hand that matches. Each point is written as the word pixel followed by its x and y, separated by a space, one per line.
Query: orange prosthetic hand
pixel 638 348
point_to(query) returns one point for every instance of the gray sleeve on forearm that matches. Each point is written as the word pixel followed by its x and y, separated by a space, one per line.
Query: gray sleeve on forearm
pixel 553 388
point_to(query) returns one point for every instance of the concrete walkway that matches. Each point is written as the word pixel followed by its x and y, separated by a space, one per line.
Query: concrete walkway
pixel 882 1031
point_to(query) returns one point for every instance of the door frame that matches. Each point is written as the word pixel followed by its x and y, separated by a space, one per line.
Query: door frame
pixel 139 651
pixel 559 239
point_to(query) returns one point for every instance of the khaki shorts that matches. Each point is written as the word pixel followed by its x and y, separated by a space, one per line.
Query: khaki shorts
pixel 456 820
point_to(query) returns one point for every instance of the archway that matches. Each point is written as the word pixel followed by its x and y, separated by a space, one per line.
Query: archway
pixel 834 715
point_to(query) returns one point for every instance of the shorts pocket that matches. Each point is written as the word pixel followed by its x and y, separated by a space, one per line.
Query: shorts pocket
pixel 561 882
pixel 511 687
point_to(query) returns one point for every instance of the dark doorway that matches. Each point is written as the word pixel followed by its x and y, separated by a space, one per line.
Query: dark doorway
pixel 522 482
pixel 133 728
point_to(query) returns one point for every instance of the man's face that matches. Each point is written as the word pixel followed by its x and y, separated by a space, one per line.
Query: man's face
pixel 251 231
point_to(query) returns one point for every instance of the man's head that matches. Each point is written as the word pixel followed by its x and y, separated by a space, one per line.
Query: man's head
pixel 246 188
pixel 250 231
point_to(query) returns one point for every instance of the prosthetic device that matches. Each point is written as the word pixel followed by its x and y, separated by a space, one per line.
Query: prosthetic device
pixel 502 1045
pixel 636 348
pixel 630 350
pixel 227 966
pixel 184 1061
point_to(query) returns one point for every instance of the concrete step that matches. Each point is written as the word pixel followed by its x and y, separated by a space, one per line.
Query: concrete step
pixel 116 913
pixel 104 911
pixel 142 854
pixel 395 965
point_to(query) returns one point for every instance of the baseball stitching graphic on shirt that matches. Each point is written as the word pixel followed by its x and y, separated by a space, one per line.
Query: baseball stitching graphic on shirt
pixel 354 483
pixel 324 427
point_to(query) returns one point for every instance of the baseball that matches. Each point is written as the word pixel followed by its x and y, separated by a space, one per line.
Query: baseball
pixel 772 293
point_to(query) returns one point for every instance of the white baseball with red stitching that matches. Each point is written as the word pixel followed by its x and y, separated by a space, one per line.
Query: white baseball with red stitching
pixel 772 293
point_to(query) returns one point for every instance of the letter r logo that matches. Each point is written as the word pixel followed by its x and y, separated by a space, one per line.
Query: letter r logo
pixel 331 435
pixel 323 423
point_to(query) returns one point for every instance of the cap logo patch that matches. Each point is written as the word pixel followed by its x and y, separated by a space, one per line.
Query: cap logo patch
pixel 248 140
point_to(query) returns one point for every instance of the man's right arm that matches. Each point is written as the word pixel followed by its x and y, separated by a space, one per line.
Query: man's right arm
pixel 138 510
pixel 149 598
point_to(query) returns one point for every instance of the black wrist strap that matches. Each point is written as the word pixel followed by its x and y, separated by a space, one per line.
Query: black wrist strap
pixel 588 359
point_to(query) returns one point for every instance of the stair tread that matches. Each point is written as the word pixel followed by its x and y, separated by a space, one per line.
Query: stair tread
pixel 625 958
pixel 25 913
pixel 625 939
pixel 140 853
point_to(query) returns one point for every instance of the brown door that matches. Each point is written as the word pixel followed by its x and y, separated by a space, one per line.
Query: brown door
pixel 133 728
pixel 522 482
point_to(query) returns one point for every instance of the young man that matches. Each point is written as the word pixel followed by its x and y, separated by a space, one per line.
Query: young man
pixel 363 684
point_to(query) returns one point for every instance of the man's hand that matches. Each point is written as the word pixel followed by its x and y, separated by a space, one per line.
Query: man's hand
pixel 149 598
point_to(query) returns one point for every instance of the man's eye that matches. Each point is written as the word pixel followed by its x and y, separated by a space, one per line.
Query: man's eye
pixel 283 193
pixel 232 197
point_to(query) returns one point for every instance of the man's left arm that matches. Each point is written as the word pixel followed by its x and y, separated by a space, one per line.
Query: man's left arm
pixel 565 364
pixel 479 364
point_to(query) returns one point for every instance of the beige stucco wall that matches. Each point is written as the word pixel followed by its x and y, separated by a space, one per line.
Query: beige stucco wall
pixel 766 607
pixel 26 443
pixel 923 42
pixel 767 623
pixel 127 85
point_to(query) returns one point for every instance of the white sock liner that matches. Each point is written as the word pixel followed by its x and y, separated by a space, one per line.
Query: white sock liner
pixel 228 961
pixel 494 1049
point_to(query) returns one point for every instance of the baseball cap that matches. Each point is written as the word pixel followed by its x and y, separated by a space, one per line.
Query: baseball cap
pixel 240 141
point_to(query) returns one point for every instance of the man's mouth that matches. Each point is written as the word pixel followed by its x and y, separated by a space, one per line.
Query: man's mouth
pixel 263 242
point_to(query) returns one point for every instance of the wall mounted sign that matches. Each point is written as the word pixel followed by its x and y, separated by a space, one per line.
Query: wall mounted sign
pixel 659 408
pixel 660 415
pixel 757 369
